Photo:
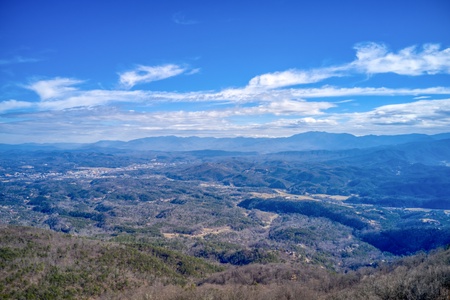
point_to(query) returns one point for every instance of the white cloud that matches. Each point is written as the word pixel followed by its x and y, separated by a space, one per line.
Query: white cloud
pixel 375 58
pixel 288 107
pixel 245 95
pixel 291 77
pixel 14 104
pixel 371 58
pixel 60 93
pixel 145 74
pixel 93 98
pixel 411 112
pixel 261 95
pixel 54 88
pixel 208 117
pixel 287 127
pixel 330 91
pixel 424 116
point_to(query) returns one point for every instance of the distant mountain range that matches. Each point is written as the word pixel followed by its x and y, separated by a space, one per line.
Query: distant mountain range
pixel 300 142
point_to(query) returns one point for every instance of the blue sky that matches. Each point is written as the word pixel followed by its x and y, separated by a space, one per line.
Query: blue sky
pixel 83 71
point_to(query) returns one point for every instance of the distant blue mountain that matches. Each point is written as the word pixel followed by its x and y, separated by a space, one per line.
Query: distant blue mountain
pixel 299 142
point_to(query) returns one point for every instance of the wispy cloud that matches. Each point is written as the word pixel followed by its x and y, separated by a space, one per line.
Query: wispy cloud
pixel 146 74
pixel 181 19
pixel 19 60
pixel 92 98
pixel 62 93
pixel 292 77
pixel 421 97
pixel 54 88
pixel 245 95
pixel 330 91
pixel 286 107
pixel 13 105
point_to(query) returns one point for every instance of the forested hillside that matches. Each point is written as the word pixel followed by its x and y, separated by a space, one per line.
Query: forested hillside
pixel 40 264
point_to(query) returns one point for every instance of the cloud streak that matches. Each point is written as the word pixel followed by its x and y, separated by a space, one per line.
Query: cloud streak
pixel 292 77
pixel 19 60
pixel 146 74
pixel 181 19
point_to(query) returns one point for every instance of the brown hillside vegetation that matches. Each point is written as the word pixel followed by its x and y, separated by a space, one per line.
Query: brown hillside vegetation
pixel 40 264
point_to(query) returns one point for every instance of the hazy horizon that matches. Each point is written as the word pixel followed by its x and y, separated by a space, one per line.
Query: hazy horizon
pixel 229 137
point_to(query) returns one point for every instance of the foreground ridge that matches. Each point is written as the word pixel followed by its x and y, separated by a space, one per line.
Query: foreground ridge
pixel 40 264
